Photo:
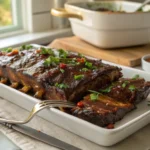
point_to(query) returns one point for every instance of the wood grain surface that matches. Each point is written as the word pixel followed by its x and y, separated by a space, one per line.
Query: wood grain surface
pixel 130 56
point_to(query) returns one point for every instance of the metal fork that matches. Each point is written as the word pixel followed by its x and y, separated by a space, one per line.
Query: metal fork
pixel 38 107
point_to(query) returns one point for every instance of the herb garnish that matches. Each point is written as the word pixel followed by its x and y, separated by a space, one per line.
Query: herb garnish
pixel 89 65
pixel 7 50
pixel 107 90
pixel 78 77
pixel 77 63
pixel 94 67
pixel 81 55
pixel 124 84
pixel 132 88
pixel 84 69
pixel 136 77
pixel 62 70
pixel 94 95
pixel 51 61
pixel 26 47
pixel 62 53
pixel 61 85
pixel 72 61
pixel 46 51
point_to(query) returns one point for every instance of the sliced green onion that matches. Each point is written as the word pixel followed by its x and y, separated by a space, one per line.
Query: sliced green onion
pixel 78 77
pixel 61 85
pixel 132 88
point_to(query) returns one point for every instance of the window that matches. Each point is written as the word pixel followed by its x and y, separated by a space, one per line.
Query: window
pixel 6 13
pixel 28 21
pixel 10 15
pixel 26 16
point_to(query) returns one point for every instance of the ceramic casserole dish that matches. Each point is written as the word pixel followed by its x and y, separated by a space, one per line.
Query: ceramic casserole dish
pixel 120 26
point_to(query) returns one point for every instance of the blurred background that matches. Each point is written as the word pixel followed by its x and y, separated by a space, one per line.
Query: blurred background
pixel 5 13
pixel 6 10
pixel 30 21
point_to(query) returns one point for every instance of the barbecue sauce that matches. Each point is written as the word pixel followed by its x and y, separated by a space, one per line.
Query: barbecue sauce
pixel 148 60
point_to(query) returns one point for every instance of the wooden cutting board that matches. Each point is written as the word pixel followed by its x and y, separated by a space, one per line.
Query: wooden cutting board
pixel 125 56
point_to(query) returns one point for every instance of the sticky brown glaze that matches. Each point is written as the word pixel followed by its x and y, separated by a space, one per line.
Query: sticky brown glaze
pixel 103 111
pixel 27 68
pixel 123 93
pixel 12 67
pixel 77 88
pixel 113 104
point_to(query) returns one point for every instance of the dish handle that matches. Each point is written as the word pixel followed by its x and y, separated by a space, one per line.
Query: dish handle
pixel 61 12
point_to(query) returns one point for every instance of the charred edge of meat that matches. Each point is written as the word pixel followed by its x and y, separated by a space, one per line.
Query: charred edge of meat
pixel 128 90
pixel 27 69
pixel 119 99
pixel 4 80
pixel 79 90
pixel 102 112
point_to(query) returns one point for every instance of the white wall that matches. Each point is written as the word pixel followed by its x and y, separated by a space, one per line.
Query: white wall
pixel 38 15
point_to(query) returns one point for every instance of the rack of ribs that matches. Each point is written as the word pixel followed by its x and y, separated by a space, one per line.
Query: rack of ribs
pixel 110 104
pixel 57 74
pixel 54 74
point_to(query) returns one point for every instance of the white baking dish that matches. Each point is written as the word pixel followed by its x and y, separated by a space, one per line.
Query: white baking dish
pixel 132 122
pixel 108 29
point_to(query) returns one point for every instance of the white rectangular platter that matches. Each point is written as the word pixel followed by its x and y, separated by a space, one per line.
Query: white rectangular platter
pixel 132 122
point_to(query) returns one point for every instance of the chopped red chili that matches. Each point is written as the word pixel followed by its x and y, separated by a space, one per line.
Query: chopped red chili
pixel 49 73
pixel 62 65
pixel 110 126
pixel 81 60
pixel 14 52
pixel 38 51
pixel 80 104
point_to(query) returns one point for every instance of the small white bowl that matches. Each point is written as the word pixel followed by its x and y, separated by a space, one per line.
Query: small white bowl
pixel 145 63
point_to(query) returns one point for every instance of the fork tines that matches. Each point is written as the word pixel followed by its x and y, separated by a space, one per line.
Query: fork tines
pixel 56 103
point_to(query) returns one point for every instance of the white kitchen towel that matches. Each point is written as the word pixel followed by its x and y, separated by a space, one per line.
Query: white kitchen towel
pixel 11 111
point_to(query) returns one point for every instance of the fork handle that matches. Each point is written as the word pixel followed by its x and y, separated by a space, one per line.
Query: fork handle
pixel 4 121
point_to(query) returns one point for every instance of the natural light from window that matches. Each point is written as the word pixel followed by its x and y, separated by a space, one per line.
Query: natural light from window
pixel 10 16
pixel 5 13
